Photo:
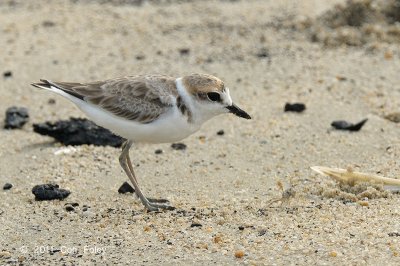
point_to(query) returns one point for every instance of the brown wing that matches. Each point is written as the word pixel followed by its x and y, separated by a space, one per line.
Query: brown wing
pixel 138 98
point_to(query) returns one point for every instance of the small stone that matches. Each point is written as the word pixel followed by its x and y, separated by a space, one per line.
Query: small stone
pixel 295 107
pixel 241 228
pixel 16 117
pixel 49 192
pixel 7 186
pixel 5 254
pixel 344 125
pixel 221 132
pixel 7 74
pixel 178 146
pixel 140 57
pixel 393 117
pixel 262 53
pixel 75 204
pixel 333 254
pixel 126 188
pixel 158 151
pixel 51 101
pixel 363 203
pixel 48 23
pixel 184 51
pixel 69 208
pixel 239 254
pixel 196 225
pixel 217 239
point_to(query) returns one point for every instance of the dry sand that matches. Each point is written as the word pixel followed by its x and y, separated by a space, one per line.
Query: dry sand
pixel 264 52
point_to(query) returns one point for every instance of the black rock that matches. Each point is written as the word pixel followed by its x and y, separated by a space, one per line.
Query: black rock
pixel 221 132
pixel 78 131
pixel 158 151
pixel 126 188
pixel 184 51
pixel 196 225
pixel 295 107
pixel 344 125
pixel 49 192
pixel 263 53
pixel 7 186
pixel 7 74
pixel 16 117
pixel 178 146
pixel 69 208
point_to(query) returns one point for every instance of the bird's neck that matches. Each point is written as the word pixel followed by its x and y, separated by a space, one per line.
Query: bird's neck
pixel 198 115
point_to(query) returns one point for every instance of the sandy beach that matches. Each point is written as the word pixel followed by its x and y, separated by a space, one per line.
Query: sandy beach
pixel 245 197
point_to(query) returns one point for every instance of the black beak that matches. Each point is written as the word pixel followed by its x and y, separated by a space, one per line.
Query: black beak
pixel 237 111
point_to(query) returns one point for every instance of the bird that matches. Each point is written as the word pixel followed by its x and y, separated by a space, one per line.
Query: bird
pixel 149 109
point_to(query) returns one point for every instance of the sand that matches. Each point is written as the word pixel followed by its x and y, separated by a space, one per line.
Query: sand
pixel 223 187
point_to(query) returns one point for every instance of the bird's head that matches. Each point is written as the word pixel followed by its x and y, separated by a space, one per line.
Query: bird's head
pixel 210 94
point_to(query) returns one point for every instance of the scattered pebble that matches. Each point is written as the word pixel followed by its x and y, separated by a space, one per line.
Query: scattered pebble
pixel 393 117
pixel 344 125
pixel 16 117
pixel 333 254
pixel 221 132
pixel 140 57
pixel 184 51
pixel 126 188
pixel 7 186
pixel 158 151
pixel 7 74
pixel 263 53
pixel 239 254
pixel 394 234
pixel 69 208
pixel 196 225
pixel 48 23
pixel 78 131
pixel 295 107
pixel 51 101
pixel 49 192
pixel 178 146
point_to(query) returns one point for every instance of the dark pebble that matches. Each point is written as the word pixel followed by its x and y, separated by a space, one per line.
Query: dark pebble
pixel 126 188
pixel 48 23
pixel 196 225
pixel 84 209
pixel 158 151
pixel 295 107
pixel 263 53
pixel 78 131
pixel 178 146
pixel 394 234
pixel 16 117
pixel 344 125
pixel 241 228
pixel 51 101
pixel 69 208
pixel 184 51
pixel 221 132
pixel 49 192
pixel 74 204
pixel 140 57
pixel 7 74
pixel 7 186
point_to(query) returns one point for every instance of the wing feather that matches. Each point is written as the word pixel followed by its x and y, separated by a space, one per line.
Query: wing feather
pixel 138 98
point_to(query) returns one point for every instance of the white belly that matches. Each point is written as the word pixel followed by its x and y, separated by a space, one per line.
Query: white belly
pixel 169 127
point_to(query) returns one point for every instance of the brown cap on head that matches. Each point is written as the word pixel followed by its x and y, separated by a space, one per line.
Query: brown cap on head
pixel 195 83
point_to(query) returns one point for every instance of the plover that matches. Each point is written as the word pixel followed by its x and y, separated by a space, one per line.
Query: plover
pixel 149 108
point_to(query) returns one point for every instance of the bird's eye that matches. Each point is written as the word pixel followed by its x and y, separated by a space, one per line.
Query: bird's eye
pixel 214 96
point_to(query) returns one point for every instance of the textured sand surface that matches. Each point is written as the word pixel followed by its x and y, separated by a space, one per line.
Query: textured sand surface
pixel 223 183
